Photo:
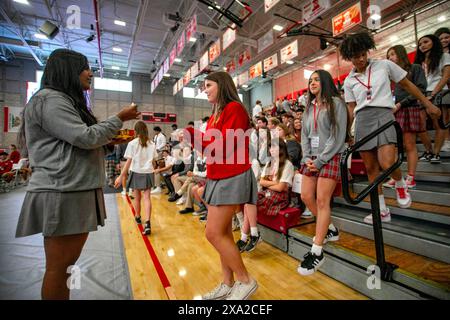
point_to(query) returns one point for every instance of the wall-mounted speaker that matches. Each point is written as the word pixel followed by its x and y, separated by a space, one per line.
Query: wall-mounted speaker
pixel 49 29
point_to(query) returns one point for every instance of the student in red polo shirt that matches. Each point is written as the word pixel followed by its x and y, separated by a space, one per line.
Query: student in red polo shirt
pixel 230 182
pixel 14 156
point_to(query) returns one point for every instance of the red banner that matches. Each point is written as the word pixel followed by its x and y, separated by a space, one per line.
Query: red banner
pixel 347 19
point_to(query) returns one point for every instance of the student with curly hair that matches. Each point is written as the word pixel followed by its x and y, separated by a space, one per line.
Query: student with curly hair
pixel 369 97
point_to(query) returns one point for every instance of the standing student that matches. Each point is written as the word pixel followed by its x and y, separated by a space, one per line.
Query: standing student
pixel 64 199
pixel 407 110
pixel 369 98
pixel 323 140
pixel 140 154
pixel 436 64
pixel 230 182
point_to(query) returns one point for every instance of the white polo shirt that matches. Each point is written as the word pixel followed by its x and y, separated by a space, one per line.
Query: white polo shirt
pixel 257 109
pixel 434 78
pixel 141 157
pixel 160 141
pixel 381 74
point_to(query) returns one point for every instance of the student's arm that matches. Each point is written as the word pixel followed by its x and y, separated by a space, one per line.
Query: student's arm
pixel 419 80
pixel 441 84
pixel 124 172
pixel 431 109
pixel 279 187
pixel 351 109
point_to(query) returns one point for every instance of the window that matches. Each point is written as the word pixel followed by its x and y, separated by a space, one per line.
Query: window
pixel 113 84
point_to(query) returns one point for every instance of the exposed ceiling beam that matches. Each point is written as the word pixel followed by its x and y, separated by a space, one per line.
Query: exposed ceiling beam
pixel 216 32
pixel 19 34
pixel 137 30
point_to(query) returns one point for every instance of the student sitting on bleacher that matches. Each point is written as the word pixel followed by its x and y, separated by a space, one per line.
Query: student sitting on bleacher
pixel 5 164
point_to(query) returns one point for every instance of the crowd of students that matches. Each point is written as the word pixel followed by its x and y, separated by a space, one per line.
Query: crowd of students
pixel 306 137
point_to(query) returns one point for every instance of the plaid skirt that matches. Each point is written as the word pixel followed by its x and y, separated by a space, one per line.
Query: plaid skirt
pixel 330 170
pixel 410 119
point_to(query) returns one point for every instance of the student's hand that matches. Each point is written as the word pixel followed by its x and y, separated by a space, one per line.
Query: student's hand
pixel 118 182
pixel 129 113
pixel 433 111
pixel 311 166
pixel 397 107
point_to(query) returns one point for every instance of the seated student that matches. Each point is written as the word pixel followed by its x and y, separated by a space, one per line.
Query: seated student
pixel 169 161
pixel 177 167
pixel 196 178
pixel 5 164
pixel 14 155
pixel 183 152
pixel 293 147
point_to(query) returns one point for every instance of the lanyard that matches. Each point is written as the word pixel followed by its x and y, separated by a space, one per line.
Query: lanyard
pixel 315 118
pixel 369 88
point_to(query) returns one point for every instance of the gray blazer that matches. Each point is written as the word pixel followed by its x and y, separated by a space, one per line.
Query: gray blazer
pixel 64 153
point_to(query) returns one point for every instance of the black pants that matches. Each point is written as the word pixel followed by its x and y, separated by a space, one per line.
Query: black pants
pixel 168 182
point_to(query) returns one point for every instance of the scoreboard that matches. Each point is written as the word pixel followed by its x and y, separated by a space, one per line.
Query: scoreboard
pixel 159 117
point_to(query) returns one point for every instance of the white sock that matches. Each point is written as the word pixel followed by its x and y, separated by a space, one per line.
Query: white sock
pixel 332 227
pixel 244 237
pixel 240 217
pixel 400 183
pixel 254 231
pixel 317 250
pixel 382 203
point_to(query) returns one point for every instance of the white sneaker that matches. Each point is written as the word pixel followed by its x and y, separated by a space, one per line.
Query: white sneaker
pixel 156 190
pixel 403 197
pixel 218 293
pixel 242 291
pixel 389 184
pixel 385 217
pixel 446 146
pixel 181 201
pixel 306 214
pixel 124 193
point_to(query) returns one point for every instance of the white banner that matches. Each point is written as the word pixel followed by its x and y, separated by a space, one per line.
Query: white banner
pixel 194 70
pixel 265 41
pixel 314 8
pixel 243 78
pixel 204 61
pixel 270 62
pixel 289 52
pixel 228 38
pixel 268 4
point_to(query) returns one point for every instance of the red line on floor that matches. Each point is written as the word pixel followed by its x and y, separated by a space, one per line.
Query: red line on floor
pixel 159 269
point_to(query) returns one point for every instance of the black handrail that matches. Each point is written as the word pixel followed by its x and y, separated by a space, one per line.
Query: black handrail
pixel 438 102
pixel 386 268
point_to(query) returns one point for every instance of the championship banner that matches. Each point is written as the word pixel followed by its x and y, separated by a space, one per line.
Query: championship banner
pixel 173 55
pixel 269 4
pixel 191 29
pixel 289 52
pixel 204 61
pixel 313 9
pixel 265 41
pixel 180 43
pixel 214 51
pixel 230 66
pixel 255 70
pixel 347 19
pixel 228 38
pixel 270 62
pixel 243 78
pixel 244 57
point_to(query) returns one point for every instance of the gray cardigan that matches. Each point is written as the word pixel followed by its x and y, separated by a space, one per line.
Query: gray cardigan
pixel 329 144
pixel 65 154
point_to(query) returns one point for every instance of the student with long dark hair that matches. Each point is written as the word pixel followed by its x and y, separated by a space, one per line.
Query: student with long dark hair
pixel 65 144
pixel 436 64
pixel 230 182
pixel 323 140
pixel 407 110
pixel 370 102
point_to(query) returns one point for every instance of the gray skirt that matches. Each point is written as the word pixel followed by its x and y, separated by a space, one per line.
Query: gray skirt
pixel 239 189
pixel 140 181
pixel 61 213
pixel 369 119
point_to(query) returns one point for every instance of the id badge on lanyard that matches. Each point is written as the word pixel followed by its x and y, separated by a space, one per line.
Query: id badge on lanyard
pixel 315 137
pixel 315 142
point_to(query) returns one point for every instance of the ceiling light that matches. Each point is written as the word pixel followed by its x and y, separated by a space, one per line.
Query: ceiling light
pixel 307 73
pixel 277 27
pixel 326 66
pixel 210 8
pixel 166 75
pixel 193 39
pixel 40 36
pixel 22 1
pixel 115 68
pixel 393 38
pixel 290 62
pixel 177 60
pixel 442 18
pixel 117 49
pixel 375 16
pixel 120 23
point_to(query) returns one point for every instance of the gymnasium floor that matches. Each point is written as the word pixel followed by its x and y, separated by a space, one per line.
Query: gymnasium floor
pixel 175 262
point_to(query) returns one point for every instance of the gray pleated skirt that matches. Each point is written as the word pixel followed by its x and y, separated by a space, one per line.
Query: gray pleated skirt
pixel 239 189
pixel 140 181
pixel 61 213
pixel 370 119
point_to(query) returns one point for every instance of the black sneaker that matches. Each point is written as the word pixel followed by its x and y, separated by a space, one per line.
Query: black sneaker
pixel 331 236
pixel 310 263
pixel 186 210
pixel 426 156
pixel 241 245
pixel 251 244
pixel 203 218
pixel 174 197
pixel 435 158
pixel 147 230
pixel 138 219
